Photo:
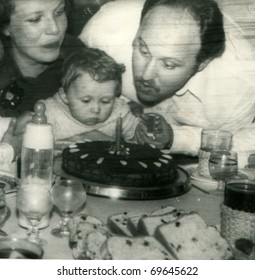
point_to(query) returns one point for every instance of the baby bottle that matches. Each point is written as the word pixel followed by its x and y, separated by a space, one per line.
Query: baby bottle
pixel 37 155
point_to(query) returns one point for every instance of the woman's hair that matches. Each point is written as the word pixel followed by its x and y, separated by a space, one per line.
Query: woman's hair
pixel 208 16
pixel 1 51
pixel 7 7
pixel 100 66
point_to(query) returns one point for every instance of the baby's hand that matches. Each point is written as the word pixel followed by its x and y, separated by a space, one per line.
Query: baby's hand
pixel 161 135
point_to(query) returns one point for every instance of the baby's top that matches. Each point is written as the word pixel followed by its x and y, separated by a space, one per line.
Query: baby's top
pixel 65 126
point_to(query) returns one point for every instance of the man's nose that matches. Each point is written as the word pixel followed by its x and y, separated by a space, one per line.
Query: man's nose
pixel 51 26
pixel 149 72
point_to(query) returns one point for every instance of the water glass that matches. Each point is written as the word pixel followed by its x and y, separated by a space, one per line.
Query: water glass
pixel 215 139
pixel 223 165
pixel 211 139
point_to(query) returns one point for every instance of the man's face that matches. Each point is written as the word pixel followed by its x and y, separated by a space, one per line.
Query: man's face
pixel 89 101
pixel 164 53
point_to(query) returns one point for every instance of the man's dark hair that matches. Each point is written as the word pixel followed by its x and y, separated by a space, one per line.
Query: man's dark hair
pixel 208 16
pixel 100 66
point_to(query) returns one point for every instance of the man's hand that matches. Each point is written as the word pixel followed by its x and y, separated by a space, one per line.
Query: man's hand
pixel 14 140
pixel 162 136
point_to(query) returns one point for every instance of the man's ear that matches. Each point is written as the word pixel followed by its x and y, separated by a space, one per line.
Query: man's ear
pixel 62 95
pixel 203 64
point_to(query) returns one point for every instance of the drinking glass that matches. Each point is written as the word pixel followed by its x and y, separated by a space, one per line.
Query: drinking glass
pixel 68 196
pixel 211 139
pixel 223 165
pixel 238 211
pixel 34 202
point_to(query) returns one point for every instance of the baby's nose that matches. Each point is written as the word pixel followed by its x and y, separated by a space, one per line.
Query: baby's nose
pixel 95 109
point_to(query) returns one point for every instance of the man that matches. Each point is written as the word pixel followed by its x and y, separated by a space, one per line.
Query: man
pixel 181 70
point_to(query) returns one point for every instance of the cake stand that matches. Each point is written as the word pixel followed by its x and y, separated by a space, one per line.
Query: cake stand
pixel 180 186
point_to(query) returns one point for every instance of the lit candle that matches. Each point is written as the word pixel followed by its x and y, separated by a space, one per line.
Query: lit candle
pixel 118 133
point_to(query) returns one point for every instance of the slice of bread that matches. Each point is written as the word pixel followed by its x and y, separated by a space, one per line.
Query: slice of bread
pixel 162 210
pixel 117 223
pixel 133 221
pixel 190 238
pixel 132 224
pixel 148 224
pixel 134 248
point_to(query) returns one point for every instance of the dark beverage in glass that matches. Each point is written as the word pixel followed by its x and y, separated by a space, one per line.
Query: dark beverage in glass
pixel 240 195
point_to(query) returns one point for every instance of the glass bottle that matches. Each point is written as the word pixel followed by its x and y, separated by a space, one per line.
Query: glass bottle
pixel 37 154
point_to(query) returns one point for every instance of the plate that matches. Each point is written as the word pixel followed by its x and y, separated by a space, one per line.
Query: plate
pixel 15 248
pixel 179 187
pixel 4 216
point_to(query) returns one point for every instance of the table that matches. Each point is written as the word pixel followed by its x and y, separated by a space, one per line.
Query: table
pixel 207 205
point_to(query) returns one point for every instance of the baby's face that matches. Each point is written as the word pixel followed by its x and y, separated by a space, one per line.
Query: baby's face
pixel 89 101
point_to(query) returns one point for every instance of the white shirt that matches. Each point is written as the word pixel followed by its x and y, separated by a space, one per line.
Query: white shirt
pixel 221 96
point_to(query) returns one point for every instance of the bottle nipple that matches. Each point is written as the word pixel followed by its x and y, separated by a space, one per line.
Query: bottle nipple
pixel 39 116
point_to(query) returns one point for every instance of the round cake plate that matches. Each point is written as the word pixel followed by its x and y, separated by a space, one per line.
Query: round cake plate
pixel 179 187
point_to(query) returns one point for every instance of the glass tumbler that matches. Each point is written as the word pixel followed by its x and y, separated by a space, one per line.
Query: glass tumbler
pixel 211 139
pixel 238 210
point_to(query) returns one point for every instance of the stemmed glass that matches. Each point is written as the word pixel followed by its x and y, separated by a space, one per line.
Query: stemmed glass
pixel 223 165
pixel 68 196
pixel 34 202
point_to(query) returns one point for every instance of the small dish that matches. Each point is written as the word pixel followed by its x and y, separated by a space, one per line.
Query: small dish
pixel 4 216
pixel 8 183
pixel 15 248
pixel 206 184
pixel 210 185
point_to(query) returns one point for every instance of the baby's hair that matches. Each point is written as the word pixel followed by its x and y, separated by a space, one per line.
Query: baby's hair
pixel 100 66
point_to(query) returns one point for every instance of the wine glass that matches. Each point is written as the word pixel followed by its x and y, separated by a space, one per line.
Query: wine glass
pixel 34 202
pixel 68 196
pixel 223 165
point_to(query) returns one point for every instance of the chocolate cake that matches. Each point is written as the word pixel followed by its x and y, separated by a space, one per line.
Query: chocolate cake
pixel 132 166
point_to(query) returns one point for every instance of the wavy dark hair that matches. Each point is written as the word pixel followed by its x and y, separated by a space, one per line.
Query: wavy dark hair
pixel 7 7
pixel 208 16
pixel 100 66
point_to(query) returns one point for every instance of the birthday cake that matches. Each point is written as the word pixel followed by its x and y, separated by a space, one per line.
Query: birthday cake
pixel 131 166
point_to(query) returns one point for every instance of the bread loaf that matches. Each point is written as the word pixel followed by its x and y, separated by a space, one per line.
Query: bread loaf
pixel 134 248
pixel 189 238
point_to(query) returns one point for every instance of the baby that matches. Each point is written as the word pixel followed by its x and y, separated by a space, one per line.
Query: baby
pixel 89 102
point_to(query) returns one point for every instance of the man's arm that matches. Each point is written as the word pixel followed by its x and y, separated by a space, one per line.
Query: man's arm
pixel 187 140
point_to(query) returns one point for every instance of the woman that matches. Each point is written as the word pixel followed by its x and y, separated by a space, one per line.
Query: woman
pixel 35 44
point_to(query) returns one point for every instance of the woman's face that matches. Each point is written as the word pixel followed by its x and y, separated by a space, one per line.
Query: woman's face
pixel 37 29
